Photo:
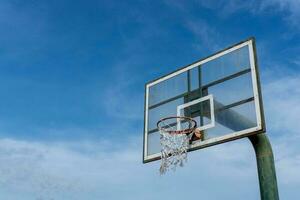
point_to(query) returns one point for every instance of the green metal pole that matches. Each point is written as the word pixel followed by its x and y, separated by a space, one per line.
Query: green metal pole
pixel 265 167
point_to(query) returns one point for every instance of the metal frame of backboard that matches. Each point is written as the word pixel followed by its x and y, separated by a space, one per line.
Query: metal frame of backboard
pixel 217 140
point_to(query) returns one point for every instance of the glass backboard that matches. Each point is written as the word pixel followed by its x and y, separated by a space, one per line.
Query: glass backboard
pixel 221 92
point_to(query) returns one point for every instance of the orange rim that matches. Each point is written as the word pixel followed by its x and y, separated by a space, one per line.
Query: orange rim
pixel 183 131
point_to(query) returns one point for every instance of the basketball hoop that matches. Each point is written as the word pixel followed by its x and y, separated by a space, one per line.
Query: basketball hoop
pixel 175 136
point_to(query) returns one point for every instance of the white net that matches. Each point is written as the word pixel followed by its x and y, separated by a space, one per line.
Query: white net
pixel 174 151
pixel 174 146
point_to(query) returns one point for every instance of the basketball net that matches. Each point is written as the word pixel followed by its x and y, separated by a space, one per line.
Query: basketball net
pixel 175 135
pixel 173 151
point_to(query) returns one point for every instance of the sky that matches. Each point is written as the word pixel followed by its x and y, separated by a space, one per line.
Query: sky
pixel 72 76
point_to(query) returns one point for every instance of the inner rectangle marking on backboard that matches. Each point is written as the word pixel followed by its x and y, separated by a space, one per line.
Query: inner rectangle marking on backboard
pixel 196 101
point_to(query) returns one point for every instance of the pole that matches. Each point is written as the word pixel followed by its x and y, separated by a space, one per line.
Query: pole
pixel 265 167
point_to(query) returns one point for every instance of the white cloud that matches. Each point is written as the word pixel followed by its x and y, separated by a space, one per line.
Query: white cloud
pixel 205 34
pixel 90 170
pixel 290 7
pixel 57 171
pixel 282 96
pixel 122 100
pixel 296 61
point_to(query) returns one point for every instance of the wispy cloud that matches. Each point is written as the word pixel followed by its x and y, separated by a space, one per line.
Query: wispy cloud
pixel 62 170
pixel 121 99
pixel 288 8
pixel 59 171
pixel 206 35
pixel 27 168
pixel 282 104
pixel 291 8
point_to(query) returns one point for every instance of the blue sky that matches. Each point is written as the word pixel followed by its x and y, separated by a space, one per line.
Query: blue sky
pixel 72 77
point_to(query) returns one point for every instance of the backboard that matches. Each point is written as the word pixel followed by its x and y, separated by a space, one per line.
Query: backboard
pixel 221 92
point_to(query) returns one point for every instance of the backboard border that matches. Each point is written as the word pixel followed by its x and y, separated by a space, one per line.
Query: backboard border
pixel 260 128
